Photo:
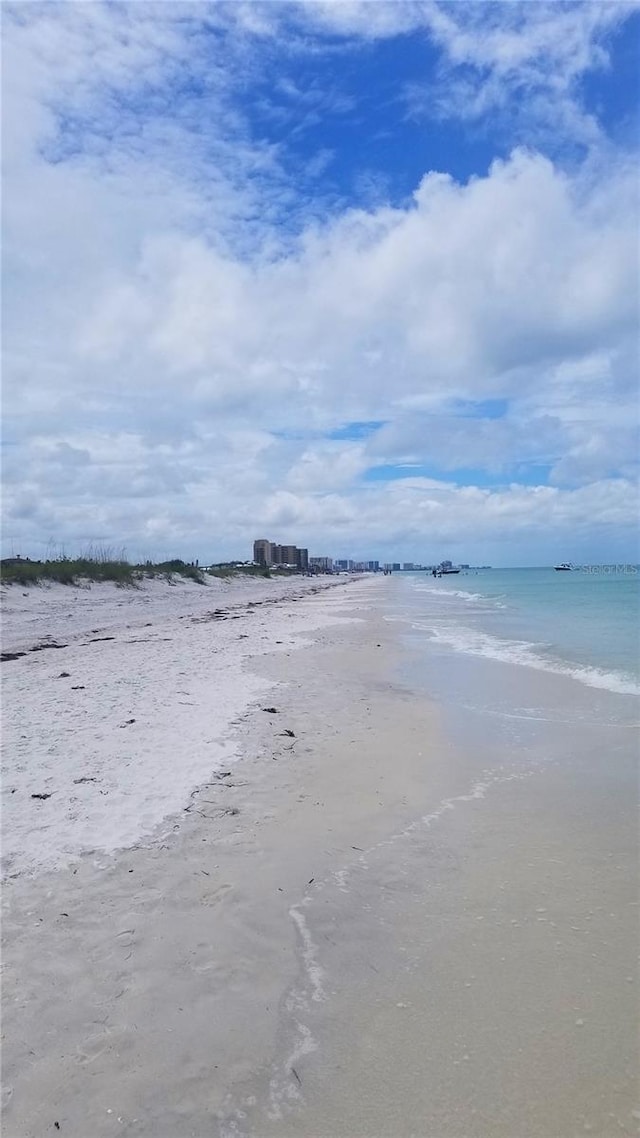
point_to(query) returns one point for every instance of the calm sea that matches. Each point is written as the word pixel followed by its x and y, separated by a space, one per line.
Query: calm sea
pixel 582 624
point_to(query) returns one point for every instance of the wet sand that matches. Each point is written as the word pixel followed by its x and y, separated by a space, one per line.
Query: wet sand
pixel 360 927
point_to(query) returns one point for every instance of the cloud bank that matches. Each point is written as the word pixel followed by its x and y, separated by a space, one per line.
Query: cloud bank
pixel 201 343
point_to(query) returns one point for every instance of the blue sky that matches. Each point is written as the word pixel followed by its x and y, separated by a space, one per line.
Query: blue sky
pixel 361 275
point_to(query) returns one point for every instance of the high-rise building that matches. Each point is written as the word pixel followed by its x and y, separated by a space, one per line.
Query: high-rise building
pixel 270 553
pixel 395 566
pixel 262 552
pixel 321 564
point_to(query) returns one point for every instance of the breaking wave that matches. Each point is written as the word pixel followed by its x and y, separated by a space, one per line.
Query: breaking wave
pixel 475 643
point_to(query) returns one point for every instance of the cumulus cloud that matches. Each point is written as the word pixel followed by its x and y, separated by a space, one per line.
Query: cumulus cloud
pixel 182 367
pixel 451 295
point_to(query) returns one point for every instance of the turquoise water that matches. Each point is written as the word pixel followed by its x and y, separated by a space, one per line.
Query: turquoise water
pixel 583 624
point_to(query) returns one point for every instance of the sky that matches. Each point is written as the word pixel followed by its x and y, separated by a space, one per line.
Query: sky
pixel 361 277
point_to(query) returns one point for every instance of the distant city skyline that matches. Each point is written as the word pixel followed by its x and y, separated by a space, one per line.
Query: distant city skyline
pixel 272 555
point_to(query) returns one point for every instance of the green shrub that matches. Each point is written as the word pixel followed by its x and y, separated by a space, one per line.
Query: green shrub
pixel 93 567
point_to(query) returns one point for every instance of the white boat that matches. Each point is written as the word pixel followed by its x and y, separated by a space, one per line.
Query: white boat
pixel 564 567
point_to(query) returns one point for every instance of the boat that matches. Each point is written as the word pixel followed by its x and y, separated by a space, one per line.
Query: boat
pixel 447 571
pixel 564 567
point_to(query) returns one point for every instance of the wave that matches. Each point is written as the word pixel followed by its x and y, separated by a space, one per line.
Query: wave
pixel 451 593
pixel 445 592
pixel 529 655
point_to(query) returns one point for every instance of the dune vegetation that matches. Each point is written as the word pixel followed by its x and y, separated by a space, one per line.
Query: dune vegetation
pixel 105 566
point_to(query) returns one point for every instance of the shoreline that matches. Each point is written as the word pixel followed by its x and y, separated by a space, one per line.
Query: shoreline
pixel 357 930
pixel 132 932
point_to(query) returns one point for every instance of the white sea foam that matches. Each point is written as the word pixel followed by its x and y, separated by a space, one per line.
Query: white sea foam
pixel 284 1086
pixel 475 643
pixel 450 592
pixel 489 603
pixel 309 950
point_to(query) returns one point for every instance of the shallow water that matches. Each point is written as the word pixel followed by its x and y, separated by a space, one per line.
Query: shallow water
pixel 580 624
pixel 473 972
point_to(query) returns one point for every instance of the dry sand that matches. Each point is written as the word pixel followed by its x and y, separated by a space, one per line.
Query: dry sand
pixel 122 702
pixel 348 930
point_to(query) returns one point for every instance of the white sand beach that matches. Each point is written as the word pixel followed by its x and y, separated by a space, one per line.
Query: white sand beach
pixel 261 890
pixel 123 701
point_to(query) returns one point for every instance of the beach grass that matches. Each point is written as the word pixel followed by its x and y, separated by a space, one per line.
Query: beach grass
pixel 92 567
pixel 103 565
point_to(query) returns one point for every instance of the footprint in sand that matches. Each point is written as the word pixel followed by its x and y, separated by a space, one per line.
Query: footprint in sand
pixel 93 1047
pixel 212 896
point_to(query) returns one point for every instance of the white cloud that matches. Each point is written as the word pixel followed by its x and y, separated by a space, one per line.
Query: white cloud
pixel 330 465
pixel 522 59
pixel 468 292
pixel 170 349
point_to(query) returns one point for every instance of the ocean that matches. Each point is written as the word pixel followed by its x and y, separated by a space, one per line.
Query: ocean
pixel 525 662
pixel 583 624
